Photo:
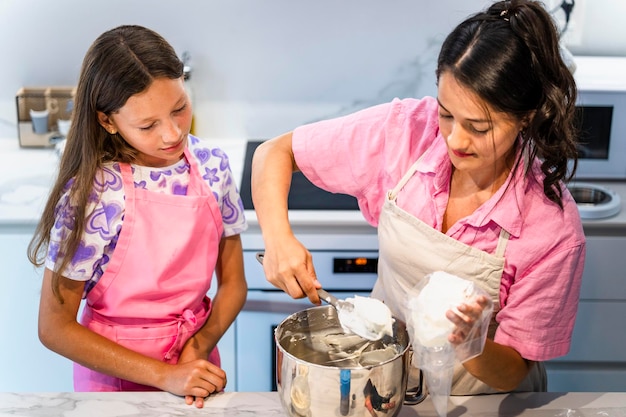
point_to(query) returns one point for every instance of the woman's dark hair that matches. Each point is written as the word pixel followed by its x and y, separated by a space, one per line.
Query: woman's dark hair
pixel 120 63
pixel 509 55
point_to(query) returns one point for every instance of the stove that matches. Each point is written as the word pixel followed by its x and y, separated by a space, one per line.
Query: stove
pixel 303 194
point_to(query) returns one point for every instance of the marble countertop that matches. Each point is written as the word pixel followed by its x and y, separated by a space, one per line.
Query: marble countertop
pixel 267 404
pixel 26 175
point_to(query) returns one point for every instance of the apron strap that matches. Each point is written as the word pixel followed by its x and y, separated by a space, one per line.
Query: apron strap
pixel 502 241
pixel 186 321
pixel 393 193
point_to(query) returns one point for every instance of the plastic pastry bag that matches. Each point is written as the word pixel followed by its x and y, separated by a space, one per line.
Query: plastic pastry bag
pixel 429 329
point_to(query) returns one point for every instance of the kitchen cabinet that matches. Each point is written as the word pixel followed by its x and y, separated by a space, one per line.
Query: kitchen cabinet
pixel 597 358
pixel 26 364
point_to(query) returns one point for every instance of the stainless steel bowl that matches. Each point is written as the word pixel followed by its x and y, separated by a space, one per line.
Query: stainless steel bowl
pixel 314 380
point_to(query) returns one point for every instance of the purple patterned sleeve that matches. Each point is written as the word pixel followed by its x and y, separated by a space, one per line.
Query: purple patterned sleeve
pixel 215 170
pixel 101 227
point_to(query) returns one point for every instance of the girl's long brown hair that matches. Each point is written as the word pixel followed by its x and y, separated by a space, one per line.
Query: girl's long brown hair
pixel 120 63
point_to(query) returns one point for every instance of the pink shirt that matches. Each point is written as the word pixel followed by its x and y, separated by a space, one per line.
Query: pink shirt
pixel 366 153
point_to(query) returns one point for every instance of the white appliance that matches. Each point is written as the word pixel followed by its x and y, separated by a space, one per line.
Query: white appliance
pixel 602 118
pixel 601 109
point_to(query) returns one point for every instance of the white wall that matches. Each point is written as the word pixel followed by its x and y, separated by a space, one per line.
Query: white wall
pixel 599 28
pixel 262 67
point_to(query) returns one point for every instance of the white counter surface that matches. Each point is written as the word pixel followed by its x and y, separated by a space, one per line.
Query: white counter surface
pixel 26 175
pixel 267 404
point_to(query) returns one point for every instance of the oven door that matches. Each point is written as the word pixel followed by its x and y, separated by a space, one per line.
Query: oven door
pixel 254 336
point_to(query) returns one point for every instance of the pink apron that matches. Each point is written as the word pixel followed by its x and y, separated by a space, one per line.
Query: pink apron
pixel 152 296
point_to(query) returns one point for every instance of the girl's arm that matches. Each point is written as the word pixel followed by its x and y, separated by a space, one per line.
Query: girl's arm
pixel 229 299
pixel 60 332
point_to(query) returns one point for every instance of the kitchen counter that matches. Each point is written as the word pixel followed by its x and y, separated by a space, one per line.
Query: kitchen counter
pixel 26 175
pixel 267 404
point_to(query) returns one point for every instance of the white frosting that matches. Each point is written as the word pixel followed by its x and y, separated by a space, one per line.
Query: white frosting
pixel 368 317
pixel 442 293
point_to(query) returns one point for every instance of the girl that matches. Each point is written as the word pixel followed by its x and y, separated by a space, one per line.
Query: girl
pixel 140 217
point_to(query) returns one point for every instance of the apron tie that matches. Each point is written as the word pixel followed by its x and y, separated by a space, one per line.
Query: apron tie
pixel 185 321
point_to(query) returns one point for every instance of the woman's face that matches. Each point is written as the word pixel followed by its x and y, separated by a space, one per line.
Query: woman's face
pixel 155 122
pixel 479 138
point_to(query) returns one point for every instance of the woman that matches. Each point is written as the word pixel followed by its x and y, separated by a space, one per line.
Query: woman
pixel 141 216
pixel 471 183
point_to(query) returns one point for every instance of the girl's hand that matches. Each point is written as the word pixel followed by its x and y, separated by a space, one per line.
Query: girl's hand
pixel 465 317
pixel 196 380
pixel 189 353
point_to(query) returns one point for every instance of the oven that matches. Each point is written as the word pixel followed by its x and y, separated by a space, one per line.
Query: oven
pixel 303 194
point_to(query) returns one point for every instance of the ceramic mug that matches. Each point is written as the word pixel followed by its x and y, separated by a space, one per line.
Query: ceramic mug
pixel 63 126
pixel 40 121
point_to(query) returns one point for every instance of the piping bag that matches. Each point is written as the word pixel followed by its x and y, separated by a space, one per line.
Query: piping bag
pixel 429 329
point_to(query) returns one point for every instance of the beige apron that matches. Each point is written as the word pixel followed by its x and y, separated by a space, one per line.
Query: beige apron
pixel 409 250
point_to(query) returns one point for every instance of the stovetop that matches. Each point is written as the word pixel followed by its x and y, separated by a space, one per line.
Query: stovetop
pixel 303 194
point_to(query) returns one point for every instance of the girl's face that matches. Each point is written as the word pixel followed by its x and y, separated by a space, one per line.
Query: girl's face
pixel 155 122
pixel 479 138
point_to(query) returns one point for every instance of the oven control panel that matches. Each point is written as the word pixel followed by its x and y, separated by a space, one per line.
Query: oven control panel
pixel 355 265
pixel 336 270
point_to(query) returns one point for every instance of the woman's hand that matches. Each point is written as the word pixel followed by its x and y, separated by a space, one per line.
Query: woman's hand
pixel 465 316
pixel 289 266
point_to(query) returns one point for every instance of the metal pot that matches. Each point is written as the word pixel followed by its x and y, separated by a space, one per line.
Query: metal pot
pixel 315 378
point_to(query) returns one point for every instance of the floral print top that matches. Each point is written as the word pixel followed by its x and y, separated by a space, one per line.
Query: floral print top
pixel 106 207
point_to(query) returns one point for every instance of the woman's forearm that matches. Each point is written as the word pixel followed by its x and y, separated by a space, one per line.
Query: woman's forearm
pixel 272 169
pixel 501 367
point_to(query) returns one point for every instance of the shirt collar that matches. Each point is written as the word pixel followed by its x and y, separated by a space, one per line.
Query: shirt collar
pixel 511 195
pixel 435 162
